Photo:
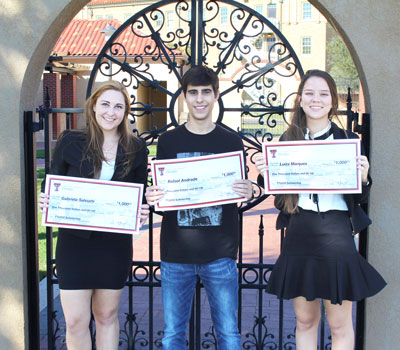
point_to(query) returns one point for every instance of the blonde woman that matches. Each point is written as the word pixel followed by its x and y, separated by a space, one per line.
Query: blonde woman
pixel 92 267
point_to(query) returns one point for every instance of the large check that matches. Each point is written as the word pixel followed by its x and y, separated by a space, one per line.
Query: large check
pixel 88 204
pixel 327 166
pixel 198 181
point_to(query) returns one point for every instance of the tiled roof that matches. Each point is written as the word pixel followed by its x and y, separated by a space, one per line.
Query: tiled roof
pixel 83 38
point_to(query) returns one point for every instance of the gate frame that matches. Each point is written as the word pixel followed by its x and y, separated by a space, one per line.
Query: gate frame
pixel 50 111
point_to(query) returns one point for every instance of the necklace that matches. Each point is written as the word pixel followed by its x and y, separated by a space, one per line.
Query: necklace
pixel 111 149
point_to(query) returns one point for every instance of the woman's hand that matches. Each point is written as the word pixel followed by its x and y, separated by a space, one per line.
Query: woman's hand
pixel 363 165
pixel 144 214
pixel 243 188
pixel 43 202
pixel 154 194
pixel 260 164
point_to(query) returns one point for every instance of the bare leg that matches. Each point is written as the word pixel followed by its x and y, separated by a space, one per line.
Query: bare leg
pixel 308 315
pixel 105 310
pixel 76 308
pixel 341 324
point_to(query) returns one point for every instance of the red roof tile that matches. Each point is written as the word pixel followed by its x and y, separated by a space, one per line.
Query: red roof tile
pixel 82 38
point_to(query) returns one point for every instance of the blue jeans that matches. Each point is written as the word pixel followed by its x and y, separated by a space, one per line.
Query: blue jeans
pixel 220 279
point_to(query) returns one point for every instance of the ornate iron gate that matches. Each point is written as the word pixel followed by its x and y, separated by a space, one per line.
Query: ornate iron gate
pixel 200 41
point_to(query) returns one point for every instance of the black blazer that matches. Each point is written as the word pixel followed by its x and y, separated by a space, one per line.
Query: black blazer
pixel 358 217
pixel 69 160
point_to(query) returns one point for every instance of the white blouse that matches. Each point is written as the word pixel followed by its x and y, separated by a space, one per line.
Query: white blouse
pixel 325 201
pixel 107 170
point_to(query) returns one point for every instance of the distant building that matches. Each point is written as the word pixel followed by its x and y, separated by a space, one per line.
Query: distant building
pixel 302 25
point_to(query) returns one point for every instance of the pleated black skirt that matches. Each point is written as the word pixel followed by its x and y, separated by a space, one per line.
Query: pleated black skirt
pixel 102 261
pixel 319 259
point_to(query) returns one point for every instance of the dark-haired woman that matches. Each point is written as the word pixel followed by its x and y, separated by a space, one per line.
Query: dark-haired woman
pixel 319 259
pixel 92 267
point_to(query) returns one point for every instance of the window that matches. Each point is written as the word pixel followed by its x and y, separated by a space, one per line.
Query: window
pixel 224 15
pixel 259 43
pixel 271 9
pixel 170 19
pixel 99 17
pixel 306 11
pixel 158 19
pixel 260 9
pixel 109 16
pixel 271 40
pixel 306 46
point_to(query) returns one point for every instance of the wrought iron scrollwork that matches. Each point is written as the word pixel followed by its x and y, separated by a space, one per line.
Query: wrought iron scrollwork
pixel 255 76
pixel 255 342
pixel 138 334
pixel 211 340
pixel 290 344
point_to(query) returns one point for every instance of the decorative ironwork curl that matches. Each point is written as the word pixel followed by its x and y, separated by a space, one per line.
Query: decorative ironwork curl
pixel 290 345
pixel 208 343
pixel 158 341
pixel 264 343
pixel 164 48
pixel 138 334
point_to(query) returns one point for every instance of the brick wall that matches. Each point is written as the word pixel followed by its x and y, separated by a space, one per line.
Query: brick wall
pixel 68 95
pixel 51 84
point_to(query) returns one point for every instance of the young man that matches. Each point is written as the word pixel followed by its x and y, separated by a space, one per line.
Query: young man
pixel 202 241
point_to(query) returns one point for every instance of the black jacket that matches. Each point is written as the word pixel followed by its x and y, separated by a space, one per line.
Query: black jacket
pixel 69 160
pixel 358 217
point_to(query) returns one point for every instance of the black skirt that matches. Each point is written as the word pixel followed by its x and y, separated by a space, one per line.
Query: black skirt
pixel 319 259
pixel 102 261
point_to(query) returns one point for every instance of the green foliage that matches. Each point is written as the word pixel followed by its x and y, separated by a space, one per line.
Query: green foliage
pixel 339 62
pixel 152 150
pixel 42 231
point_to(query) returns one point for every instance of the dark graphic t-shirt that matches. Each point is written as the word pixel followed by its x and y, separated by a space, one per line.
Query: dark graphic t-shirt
pixel 208 216
pixel 200 235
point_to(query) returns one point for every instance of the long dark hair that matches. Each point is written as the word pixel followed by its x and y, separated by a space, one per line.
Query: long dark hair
pixel 95 138
pixel 297 129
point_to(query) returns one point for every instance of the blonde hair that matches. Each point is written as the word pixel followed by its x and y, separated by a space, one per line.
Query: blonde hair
pixel 129 143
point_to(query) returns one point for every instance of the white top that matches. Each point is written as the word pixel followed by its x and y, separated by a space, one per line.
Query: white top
pixel 107 170
pixel 329 201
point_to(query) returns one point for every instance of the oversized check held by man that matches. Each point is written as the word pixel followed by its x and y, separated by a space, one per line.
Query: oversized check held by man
pixel 198 181
pixel 312 166
pixel 89 204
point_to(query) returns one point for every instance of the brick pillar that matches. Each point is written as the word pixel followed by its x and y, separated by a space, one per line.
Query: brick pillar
pixel 52 82
pixel 68 95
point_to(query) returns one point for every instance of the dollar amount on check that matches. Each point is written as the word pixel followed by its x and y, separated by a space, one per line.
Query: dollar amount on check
pixel 198 181
pixel 327 166
pixel 88 204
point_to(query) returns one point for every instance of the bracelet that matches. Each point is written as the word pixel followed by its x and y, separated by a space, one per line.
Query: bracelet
pixel 251 198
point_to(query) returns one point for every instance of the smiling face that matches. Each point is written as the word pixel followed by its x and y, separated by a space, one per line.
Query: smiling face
pixel 316 100
pixel 109 110
pixel 200 101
